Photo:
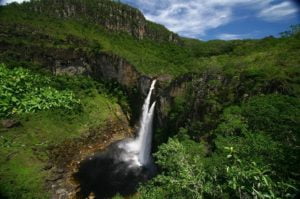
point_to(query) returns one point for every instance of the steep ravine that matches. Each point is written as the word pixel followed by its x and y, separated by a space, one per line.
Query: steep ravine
pixel 104 66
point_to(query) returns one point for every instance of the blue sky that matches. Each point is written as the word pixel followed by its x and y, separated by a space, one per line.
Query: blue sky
pixel 220 19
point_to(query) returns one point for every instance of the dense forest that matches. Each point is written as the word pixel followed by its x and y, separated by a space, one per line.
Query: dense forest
pixel 73 75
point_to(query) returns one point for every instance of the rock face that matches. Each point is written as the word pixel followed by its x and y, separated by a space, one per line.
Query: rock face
pixel 167 97
pixel 112 15
pixel 190 97
pixel 144 84
pixel 111 67
pixel 100 66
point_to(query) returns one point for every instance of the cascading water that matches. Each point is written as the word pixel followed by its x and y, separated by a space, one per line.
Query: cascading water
pixel 145 139
pixel 141 146
pixel 124 164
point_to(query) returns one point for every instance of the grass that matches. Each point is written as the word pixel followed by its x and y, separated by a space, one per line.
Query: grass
pixel 23 176
pixel 252 63
pixel 23 149
pixel 151 58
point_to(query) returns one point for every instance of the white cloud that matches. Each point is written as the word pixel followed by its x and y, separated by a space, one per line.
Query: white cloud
pixel 190 18
pixel 193 18
pixel 3 2
pixel 227 36
pixel 279 11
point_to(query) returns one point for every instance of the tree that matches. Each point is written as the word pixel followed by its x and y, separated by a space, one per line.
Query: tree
pixel 294 30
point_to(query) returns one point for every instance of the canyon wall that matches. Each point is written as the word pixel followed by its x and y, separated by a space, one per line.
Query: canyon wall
pixel 113 16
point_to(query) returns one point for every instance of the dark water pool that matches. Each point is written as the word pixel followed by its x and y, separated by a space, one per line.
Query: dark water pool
pixel 105 174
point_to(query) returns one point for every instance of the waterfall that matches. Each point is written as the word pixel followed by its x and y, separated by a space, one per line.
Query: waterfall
pixel 139 150
pixel 144 138
pixel 124 164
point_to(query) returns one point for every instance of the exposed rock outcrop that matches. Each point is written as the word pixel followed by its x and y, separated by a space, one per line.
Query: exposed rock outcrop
pixel 190 97
pixel 100 66
pixel 112 15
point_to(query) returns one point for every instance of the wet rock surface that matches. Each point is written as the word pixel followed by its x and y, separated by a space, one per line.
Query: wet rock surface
pixel 65 158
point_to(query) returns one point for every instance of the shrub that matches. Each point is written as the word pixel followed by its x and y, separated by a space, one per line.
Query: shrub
pixel 22 92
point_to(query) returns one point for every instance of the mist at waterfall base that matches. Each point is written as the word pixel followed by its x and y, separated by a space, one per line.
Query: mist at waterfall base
pixel 122 165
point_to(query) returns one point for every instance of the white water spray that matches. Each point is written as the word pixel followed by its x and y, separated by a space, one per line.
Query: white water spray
pixel 144 138
pixel 139 150
pixel 123 164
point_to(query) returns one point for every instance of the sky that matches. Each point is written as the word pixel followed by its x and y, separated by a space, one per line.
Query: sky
pixel 220 19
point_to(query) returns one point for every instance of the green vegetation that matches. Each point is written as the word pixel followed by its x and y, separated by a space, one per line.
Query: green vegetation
pixel 23 92
pixel 232 124
pixel 149 57
pixel 255 155
pixel 83 34
pixel 235 126
pixel 24 150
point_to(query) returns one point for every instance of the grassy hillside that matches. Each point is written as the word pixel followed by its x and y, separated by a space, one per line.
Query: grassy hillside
pixel 25 149
pixel 23 27
pixel 232 124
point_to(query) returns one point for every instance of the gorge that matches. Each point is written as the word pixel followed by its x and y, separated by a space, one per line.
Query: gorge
pixel 96 101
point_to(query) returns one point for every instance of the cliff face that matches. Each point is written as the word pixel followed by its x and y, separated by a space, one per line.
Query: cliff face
pixel 191 99
pixel 113 16
pixel 100 66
